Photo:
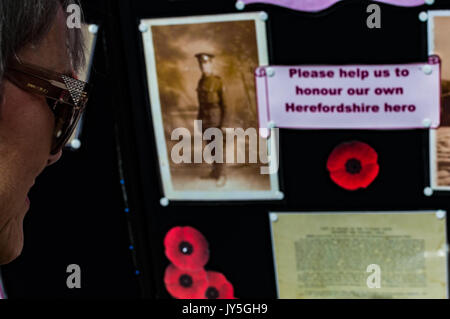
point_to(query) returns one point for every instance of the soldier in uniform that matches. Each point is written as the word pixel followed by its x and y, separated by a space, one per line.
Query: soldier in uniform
pixel 211 106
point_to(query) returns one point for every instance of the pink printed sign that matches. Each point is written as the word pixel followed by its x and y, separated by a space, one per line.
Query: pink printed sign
pixel 317 5
pixel 402 96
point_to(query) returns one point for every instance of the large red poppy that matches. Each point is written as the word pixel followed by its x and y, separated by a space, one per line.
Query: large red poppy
pixel 186 248
pixel 185 284
pixel 353 165
pixel 218 287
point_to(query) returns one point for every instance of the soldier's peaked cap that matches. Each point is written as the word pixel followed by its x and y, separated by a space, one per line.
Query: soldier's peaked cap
pixel 204 57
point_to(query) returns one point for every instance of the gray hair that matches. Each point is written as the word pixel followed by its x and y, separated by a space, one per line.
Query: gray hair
pixel 24 22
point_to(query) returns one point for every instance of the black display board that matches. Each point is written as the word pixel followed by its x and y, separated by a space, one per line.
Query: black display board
pixel 77 211
pixel 238 232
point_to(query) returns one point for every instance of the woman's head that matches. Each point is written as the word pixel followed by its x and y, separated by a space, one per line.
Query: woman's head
pixel 36 32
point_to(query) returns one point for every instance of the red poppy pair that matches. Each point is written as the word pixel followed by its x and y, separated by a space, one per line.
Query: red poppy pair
pixel 353 165
pixel 186 277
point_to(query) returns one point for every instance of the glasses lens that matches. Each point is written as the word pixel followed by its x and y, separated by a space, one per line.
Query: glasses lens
pixel 66 119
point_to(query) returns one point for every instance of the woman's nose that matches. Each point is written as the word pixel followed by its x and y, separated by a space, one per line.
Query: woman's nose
pixel 54 158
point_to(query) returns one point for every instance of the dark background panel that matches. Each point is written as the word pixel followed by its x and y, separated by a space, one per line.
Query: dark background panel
pixel 78 207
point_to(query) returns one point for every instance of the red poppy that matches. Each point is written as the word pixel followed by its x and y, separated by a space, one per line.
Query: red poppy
pixel 218 287
pixel 185 284
pixel 186 248
pixel 353 165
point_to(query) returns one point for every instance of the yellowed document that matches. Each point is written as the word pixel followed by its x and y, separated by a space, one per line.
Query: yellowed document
pixel 360 255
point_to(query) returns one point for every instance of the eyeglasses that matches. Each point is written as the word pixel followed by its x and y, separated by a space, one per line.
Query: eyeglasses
pixel 66 96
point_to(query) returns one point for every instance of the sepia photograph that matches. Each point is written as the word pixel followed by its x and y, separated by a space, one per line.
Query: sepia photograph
pixel 200 73
pixel 439 43
pixel 89 37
